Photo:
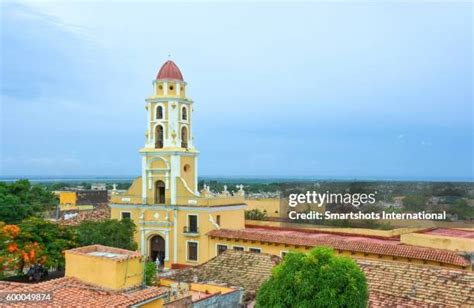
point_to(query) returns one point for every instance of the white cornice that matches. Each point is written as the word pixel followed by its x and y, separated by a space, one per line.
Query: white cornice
pixel 156 99
pixel 197 208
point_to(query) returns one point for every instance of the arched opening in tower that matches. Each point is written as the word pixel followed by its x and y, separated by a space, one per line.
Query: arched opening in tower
pixel 159 137
pixel 184 114
pixel 159 192
pixel 159 112
pixel 184 137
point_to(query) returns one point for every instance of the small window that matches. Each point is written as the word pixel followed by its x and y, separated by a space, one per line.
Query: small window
pixel 193 223
pixel 218 219
pixel 255 250
pixel 221 249
pixel 159 112
pixel 171 88
pixel 187 168
pixel 160 87
pixel 239 248
pixel 184 113
pixel 126 215
pixel 192 251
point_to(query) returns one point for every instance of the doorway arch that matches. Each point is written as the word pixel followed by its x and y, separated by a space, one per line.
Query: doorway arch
pixel 157 248
pixel 160 192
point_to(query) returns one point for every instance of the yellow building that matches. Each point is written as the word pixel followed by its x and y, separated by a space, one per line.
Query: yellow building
pixel 171 215
pixel 96 276
pixel 181 226
pixel 81 199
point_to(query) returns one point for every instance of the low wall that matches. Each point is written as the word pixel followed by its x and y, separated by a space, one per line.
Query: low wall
pixel 438 241
pixel 355 231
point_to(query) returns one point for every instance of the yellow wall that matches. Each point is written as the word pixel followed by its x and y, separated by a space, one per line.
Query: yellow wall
pixel 158 303
pixel 76 207
pixel 229 219
pixel 171 92
pixel 67 198
pixel 199 287
pixel 104 272
pixel 188 176
pixel 438 241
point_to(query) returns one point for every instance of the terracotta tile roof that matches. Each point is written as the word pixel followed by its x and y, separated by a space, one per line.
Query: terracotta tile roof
pixel 169 70
pixel 382 300
pixel 232 268
pixel 70 292
pixel 412 285
pixel 339 242
pixel 459 233
pixel 100 213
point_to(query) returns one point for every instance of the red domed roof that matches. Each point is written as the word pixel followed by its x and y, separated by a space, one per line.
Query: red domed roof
pixel 169 70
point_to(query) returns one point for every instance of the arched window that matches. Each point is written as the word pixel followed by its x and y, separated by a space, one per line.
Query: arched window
pixel 159 137
pixel 159 112
pixel 184 137
pixel 159 192
pixel 184 113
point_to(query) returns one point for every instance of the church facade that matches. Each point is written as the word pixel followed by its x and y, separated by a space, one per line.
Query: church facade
pixel 182 226
pixel 171 215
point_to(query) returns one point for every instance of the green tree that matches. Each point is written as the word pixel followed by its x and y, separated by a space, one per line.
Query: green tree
pixel 462 209
pixel 112 233
pixel 20 200
pixel 316 279
pixel 52 238
pixel 414 203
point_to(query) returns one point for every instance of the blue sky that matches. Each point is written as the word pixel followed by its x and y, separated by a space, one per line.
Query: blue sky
pixel 315 89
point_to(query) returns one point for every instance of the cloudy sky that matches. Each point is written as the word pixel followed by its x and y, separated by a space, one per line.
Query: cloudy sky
pixel 344 89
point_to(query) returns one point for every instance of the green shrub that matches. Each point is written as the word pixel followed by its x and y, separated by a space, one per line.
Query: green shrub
pixel 255 214
pixel 316 279
pixel 150 272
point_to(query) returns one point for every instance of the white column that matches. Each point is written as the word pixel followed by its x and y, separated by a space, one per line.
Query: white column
pixel 174 172
pixel 143 242
pixel 178 89
pixel 196 175
pixel 150 118
pixel 165 88
pixel 190 130
pixel 167 250
pixel 144 179
pixel 175 240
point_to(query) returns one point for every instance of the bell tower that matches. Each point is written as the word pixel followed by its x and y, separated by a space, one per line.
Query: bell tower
pixel 169 159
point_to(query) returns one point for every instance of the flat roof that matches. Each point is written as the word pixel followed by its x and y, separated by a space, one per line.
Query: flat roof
pixel 100 251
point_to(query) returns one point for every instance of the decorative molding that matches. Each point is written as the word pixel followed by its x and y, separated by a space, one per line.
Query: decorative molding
pixel 198 208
